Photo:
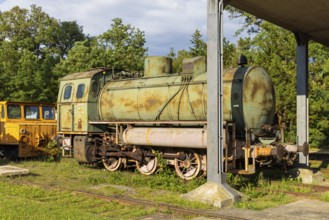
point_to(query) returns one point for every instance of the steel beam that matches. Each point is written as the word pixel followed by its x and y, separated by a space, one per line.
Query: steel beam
pixel 302 93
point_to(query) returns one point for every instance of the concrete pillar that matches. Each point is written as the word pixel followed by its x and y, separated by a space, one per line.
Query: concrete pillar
pixel 215 99
pixel 302 93
pixel 215 191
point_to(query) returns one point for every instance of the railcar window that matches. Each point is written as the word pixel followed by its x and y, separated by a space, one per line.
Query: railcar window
pixel 48 112
pixel 67 92
pixel 80 91
pixel 31 112
pixel 14 111
pixel 2 111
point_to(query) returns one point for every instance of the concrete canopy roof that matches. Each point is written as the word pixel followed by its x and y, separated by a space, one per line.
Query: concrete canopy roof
pixel 310 17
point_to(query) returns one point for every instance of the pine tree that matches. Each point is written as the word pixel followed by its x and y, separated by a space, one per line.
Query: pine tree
pixel 199 47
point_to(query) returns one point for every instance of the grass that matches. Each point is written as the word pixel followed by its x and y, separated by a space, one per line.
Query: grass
pixel 70 172
pixel 318 164
pixel 266 201
pixel 28 202
pixel 165 187
pixel 322 165
pixel 325 197
pixel 264 190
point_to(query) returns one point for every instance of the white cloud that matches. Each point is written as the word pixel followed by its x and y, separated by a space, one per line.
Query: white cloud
pixel 167 24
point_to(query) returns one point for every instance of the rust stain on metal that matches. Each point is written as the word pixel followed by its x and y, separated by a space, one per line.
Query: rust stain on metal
pixel 87 91
pixel 128 103
pixel 66 117
pixel 198 103
pixel 152 103
pixel 79 123
pixel 197 90
pixel 129 106
pixel 106 102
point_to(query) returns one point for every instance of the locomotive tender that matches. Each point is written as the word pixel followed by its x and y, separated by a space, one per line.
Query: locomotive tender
pixel 110 116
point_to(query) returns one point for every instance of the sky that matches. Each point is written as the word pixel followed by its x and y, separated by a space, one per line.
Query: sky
pixel 166 23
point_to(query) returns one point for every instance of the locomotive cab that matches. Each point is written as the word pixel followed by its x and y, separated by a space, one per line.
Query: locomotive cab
pixel 77 104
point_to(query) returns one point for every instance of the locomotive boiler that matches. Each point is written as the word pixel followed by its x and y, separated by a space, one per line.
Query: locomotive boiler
pixel 122 120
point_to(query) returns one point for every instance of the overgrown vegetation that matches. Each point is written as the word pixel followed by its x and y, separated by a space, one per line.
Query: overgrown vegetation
pixel 52 152
pixel 263 190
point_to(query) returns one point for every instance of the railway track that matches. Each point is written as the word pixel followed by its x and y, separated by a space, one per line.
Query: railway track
pixel 160 207
pixel 314 191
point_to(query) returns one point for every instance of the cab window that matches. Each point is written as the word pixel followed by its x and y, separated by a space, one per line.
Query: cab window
pixel 67 92
pixel 48 113
pixel 2 111
pixel 31 112
pixel 14 111
pixel 94 88
pixel 80 91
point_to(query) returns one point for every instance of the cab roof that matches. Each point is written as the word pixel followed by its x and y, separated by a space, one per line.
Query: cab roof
pixel 84 75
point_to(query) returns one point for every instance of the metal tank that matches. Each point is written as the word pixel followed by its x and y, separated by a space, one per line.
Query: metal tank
pixel 157 96
pixel 249 98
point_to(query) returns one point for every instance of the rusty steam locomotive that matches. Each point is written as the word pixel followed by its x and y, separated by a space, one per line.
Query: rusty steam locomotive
pixel 109 116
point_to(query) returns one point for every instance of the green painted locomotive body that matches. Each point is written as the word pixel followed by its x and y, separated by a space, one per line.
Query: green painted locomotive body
pixel 114 117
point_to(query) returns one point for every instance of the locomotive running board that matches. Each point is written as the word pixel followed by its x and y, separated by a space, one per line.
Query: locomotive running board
pixel 149 122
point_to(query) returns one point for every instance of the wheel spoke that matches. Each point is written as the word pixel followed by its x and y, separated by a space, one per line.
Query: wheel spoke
pixel 190 171
pixel 149 164
pixel 112 163
pixel 190 167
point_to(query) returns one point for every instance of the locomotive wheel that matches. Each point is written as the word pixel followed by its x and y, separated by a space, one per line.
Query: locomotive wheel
pixel 149 165
pixel 113 163
pixel 203 171
pixel 189 167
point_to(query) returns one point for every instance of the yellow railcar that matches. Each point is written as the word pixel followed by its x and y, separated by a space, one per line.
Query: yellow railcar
pixel 26 128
